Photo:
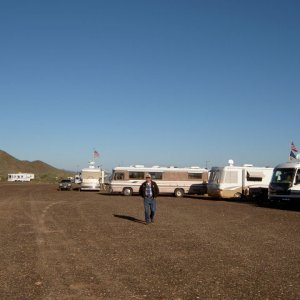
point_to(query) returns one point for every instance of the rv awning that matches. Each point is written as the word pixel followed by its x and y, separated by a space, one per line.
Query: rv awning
pixel 255 174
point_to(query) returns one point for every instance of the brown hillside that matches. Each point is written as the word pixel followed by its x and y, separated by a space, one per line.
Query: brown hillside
pixel 42 171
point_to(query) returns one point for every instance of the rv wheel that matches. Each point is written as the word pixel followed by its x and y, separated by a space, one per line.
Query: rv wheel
pixel 237 196
pixel 127 191
pixel 179 193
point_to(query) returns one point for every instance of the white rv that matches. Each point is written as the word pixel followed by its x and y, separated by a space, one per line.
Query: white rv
pixel 285 183
pixel 237 181
pixel 178 181
pixel 91 178
pixel 20 177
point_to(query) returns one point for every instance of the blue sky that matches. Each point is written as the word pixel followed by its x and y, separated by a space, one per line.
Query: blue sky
pixel 150 82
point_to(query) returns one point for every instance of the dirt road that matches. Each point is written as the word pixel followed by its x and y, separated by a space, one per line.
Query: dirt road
pixel 81 245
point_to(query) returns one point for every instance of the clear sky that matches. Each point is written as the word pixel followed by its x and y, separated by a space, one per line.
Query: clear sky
pixel 156 82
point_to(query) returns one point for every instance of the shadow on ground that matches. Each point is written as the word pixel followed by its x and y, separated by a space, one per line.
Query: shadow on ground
pixel 129 218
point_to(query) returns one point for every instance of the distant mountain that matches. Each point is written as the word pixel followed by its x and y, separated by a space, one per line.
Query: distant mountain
pixel 41 170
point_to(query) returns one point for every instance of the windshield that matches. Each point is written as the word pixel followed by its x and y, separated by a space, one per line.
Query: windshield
pixel 215 176
pixel 283 175
pixel 90 175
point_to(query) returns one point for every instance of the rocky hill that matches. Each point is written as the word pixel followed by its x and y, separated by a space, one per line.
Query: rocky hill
pixel 41 170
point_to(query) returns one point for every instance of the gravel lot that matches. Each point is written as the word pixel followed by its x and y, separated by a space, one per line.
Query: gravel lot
pixel 84 245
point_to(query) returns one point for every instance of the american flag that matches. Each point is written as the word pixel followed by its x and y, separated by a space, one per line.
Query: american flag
pixel 292 155
pixel 96 154
pixel 293 147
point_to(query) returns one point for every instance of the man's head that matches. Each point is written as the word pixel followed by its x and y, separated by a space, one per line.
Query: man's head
pixel 148 177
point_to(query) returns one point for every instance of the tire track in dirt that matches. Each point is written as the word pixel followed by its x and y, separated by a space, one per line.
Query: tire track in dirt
pixel 52 240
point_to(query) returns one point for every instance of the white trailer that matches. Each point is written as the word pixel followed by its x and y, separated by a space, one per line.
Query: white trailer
pixel 20 177
pixel 91 178
pixel 285 183
pixel 170 180
pixel 237 181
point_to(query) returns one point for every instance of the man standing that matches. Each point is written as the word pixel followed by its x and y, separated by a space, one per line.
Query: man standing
pixel 149 191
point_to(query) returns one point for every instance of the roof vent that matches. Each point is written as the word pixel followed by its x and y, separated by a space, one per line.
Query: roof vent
pixel 247 165
pixel 230 162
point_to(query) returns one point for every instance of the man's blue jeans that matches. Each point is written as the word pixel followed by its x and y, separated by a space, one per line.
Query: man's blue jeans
pixel 149 204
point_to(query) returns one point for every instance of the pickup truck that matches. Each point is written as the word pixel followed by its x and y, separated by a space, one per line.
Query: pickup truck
pixel 65 184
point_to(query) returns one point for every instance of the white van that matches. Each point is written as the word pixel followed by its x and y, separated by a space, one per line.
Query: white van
pixel 285 183
pixel 237 181
pixel 170 180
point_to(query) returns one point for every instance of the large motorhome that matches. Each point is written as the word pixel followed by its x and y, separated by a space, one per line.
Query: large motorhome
pixel 285 183
pixel 170 180
pixel 91 178
pixel 237 181
pixel 20 177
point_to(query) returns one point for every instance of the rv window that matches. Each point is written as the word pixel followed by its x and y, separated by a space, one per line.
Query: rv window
pixel 136 175
pixel 195 175
pixel 231 177
pixel 156 175
pixel 254 176
pixel 119 176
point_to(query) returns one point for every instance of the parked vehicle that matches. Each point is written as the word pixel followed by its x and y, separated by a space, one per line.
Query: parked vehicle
pixel 285 183
pixel 77 179
pixel 170 180
pixel 238 181
pixel 65 184
pixel 91 178
pixel 20 177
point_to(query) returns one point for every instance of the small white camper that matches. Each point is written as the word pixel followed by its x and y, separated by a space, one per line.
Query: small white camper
pixel 20 177
pixel 285 183
pixel 237 181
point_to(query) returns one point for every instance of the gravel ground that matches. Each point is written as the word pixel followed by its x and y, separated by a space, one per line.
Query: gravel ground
pixel 83 245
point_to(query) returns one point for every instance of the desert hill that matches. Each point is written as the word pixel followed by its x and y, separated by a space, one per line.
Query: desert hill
pixel 42 171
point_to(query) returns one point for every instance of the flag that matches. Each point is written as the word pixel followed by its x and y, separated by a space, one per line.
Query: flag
pixel 292 155
pixel 96 154
pixel 293 147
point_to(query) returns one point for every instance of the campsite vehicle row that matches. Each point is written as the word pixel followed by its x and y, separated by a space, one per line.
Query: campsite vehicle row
pixel 279 184
pixel 221 182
